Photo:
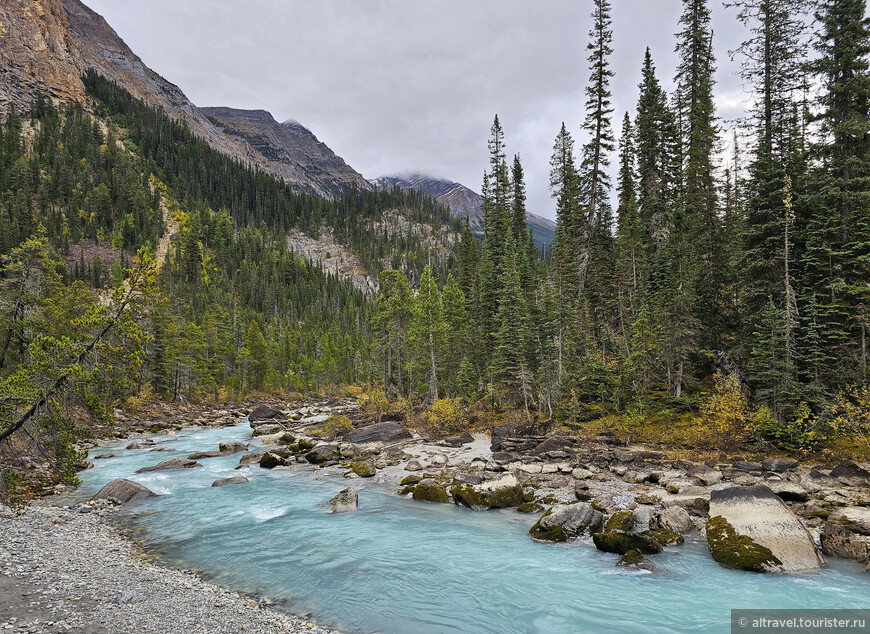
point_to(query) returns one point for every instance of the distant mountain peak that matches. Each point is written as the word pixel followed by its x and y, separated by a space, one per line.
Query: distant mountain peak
pixel 462 201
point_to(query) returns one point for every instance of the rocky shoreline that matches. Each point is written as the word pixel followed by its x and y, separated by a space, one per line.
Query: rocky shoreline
pixel 775 515
pixel 84 575
pixel 68 570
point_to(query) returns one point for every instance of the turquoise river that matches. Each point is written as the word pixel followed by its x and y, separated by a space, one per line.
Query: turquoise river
pixel 399 566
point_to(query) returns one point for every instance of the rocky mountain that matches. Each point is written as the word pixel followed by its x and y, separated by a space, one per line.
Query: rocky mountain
pixel 463 202
pixel 288 150
pixel 46 45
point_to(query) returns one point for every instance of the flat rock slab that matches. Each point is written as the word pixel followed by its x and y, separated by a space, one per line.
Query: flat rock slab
pixel 379 432
pixel 854 518
pixel 173 464
pixel 124 491
pixel 759 514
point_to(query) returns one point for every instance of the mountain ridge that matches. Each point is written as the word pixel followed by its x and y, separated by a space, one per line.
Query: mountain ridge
pixel 463 201
pixel 47 45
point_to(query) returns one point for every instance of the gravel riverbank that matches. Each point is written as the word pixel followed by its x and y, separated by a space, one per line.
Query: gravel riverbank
pixel 63 570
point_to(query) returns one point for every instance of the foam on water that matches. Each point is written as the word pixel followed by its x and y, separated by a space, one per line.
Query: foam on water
pixel 399 566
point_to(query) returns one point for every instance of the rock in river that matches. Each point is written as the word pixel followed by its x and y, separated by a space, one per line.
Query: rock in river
pixel 173 464
pixel 231 480
pixel 124 491
pixel 751 529
pixel 345 500
pixel 567 521
pixel 429 491
pixel 620 542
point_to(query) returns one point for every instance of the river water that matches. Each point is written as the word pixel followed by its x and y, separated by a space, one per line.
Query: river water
pixel 399 566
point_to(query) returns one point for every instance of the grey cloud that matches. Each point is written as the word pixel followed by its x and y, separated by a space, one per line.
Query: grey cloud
pixel 401 85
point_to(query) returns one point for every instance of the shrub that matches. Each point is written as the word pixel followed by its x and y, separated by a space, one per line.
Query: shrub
pixel 331 428
pixel 444 417
pixel 725 412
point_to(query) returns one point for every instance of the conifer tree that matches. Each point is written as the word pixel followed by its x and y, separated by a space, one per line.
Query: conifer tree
pixel 837 256
pixel 595 181
pixel 430 329
pixel 698 119
pixel 256 356
pixel 456 324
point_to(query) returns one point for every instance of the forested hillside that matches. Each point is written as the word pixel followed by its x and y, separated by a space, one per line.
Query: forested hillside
pixel 231 310
pixel 703 301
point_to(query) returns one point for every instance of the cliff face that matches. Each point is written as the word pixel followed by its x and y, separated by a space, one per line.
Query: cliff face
pixel 46 45
pixel 37 54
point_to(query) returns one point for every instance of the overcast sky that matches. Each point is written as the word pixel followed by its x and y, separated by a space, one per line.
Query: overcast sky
pixel 412 85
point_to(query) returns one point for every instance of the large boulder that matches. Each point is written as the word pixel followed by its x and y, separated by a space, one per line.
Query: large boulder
pixel 124 491
pixel 672 518
pixel 173 464
pixel 750 528
pixel 379 432
pixel 251 458
pixel 321 453
pixel 841 542
pixel 263 413
pixel 779 465
pixel 620 542
pixel 271 459
pixel 458 441
pixel 851 474
pixel 567 521
pixel 500 493
pixel 363 469
pixel 345 500
pixel 853 518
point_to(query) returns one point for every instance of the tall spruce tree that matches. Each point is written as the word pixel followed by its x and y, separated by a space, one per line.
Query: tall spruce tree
pixel 837 257
pixel 595 181
pixel 700 206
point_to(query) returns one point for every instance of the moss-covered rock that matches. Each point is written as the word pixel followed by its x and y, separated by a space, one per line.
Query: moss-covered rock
pixel 408 489
pixel 550 498
pixel 411 479
pixel 545 532
pixel 304 444
pixel 632 558
pixel 620 521
pixel 467 495
pixel 665 536
pixel 502 493
pixel 363 469
pixel 740 552
pixel 428 491
pixel 620 542
pixel 530 507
